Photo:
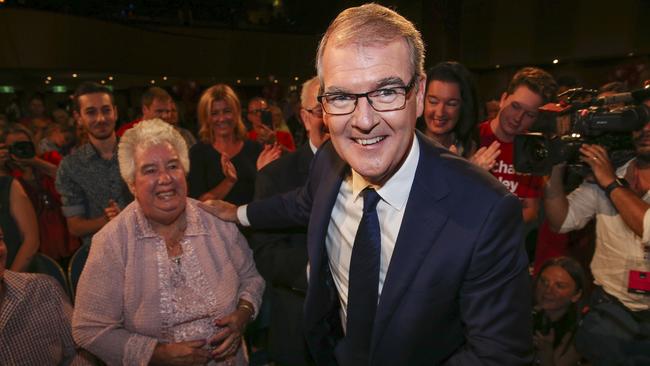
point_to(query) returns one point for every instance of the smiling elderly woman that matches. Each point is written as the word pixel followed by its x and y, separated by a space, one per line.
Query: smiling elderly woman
pixel 165 282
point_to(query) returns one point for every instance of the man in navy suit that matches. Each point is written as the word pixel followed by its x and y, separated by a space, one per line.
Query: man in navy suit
pixel 452 285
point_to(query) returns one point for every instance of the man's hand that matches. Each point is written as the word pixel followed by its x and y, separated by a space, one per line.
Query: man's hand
pixel 226 211
pixel 486 157
pixel 182 353
pixel 112 210
pixel 596 157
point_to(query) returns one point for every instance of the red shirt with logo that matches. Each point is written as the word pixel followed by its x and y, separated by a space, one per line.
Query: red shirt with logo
pixel 520 184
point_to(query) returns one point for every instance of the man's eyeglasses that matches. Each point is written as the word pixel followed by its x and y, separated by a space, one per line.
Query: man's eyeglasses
pixel 316 111
pixel 382 100
pixel 258 111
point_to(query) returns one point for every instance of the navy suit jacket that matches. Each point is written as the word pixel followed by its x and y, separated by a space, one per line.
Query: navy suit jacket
pixel 457 289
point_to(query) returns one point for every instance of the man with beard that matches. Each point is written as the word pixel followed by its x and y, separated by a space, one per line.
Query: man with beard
pixel 92 190
pixel 617 329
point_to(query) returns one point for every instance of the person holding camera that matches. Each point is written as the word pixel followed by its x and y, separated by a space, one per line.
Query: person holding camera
pixel 617 328
pixel 263 129
pixel 36 174
pixel 17 216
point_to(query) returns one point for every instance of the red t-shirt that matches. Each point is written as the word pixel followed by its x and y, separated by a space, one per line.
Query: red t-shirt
pixel 284 138
pixel 126 127
pixel 520 184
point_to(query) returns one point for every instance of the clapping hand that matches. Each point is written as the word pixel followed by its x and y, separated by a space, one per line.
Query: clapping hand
pixel 228 169
pixel 270 153
pixel 485 157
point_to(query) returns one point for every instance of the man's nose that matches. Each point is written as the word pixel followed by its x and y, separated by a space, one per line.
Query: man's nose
pixel 519 116
pixel 364 115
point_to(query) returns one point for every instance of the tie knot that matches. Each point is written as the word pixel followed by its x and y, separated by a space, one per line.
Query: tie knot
pixel 370 199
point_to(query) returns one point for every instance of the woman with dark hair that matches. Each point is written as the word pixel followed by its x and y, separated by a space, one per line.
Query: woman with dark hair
pixel 451 113
pixel 558 287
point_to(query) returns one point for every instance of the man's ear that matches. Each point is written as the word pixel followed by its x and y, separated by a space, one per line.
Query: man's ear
pixel 421 86
pixel 303 117
pixel 502 101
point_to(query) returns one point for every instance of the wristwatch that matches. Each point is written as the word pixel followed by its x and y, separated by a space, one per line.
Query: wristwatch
pixel 618 182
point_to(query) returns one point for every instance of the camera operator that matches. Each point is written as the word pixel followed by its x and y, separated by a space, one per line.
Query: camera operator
pixel 617 328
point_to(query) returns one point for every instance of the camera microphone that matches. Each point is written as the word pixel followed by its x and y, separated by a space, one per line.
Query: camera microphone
pixel 636 97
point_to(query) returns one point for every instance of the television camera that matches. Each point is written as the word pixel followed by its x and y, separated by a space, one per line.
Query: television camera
pixel 581 117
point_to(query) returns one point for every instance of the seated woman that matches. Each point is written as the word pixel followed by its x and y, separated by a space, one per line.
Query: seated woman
pixel 224 163
pixel 451 113
pixel 165 281
pixel 558 288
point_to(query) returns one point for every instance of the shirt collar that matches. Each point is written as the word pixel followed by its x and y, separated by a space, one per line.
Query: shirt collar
pixel 396 190
pixel 89 151
pixel 312 147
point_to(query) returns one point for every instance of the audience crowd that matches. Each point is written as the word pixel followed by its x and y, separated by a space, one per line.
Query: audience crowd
pixel 166 281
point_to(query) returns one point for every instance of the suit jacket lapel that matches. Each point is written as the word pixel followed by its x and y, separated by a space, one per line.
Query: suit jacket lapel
pixel 323 201
pixel 421 224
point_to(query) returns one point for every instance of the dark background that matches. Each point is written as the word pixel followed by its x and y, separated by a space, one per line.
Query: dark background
pixel 268 46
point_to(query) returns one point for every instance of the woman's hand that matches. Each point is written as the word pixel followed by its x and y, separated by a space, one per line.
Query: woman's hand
pixel 265 134
pixel 228 339
pixel 228 169
pixel 544 343
pixel 181 353
pixel 486 157
pixel 270 153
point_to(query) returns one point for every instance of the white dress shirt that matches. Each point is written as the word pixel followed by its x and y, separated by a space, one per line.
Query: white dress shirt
pixel 616 243
pixel 346 216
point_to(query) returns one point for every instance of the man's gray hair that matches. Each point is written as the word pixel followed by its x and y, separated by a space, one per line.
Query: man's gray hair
pixel 372 24
pixel 148 133
pixel 305 96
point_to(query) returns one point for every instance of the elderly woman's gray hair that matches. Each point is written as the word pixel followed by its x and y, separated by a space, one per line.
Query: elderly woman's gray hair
pixel 145 134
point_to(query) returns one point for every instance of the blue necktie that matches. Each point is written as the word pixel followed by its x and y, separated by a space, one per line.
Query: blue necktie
pixel 363 286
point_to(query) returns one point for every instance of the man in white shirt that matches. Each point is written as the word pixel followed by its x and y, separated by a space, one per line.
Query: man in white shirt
pixel 442 277
pixel 619 200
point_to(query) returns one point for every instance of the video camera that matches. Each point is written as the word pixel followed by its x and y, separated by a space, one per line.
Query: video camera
pixel 561 128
